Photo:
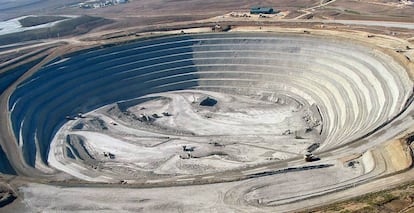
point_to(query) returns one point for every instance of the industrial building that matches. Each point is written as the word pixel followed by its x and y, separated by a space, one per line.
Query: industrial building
pixel 262 10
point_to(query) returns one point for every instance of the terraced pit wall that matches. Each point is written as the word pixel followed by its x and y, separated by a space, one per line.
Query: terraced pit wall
pixel 356 88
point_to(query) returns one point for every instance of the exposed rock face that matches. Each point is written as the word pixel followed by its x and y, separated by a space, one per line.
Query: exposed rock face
pixel 7 196
pixel 356 88
pixel 208 102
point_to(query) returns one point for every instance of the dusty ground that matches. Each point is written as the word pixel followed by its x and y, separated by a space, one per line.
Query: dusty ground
pixel 261 194
pixel 399 199
pixel 162 11
pixel 225 136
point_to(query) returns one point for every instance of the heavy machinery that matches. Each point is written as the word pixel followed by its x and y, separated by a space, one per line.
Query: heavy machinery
pixel 309 157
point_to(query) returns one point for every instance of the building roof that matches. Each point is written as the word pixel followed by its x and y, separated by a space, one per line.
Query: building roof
pixel 262 10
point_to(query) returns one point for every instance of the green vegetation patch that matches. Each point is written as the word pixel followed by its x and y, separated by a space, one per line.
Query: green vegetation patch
pixel 31 21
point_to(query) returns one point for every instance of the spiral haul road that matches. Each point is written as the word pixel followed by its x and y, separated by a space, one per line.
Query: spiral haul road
pixel 211 108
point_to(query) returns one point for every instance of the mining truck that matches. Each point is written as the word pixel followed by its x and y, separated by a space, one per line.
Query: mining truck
pixel 309 157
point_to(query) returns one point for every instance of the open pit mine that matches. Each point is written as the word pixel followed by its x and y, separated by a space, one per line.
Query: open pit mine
pixel 256 120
